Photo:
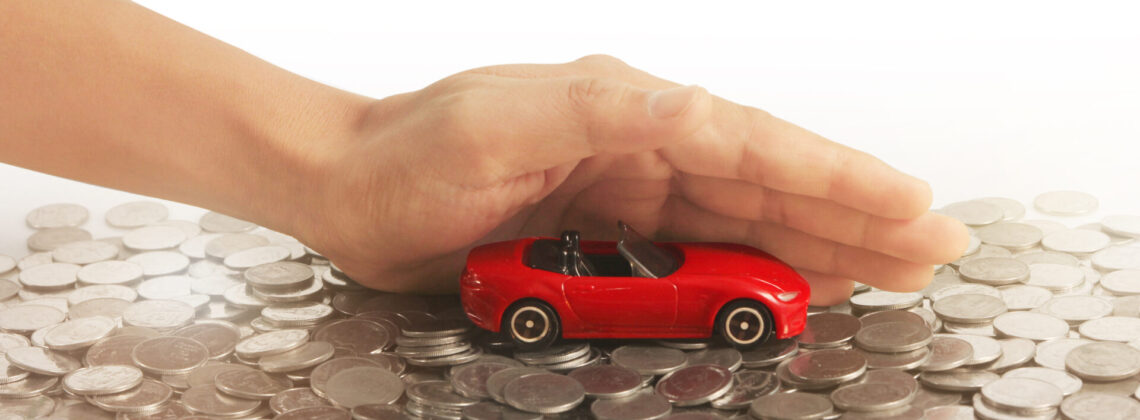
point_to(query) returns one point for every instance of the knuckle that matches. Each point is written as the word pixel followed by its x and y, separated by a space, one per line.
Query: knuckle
pixel 585 94
pixel 601 61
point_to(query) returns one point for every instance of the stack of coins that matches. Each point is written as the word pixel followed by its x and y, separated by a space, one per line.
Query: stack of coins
pixel 222 319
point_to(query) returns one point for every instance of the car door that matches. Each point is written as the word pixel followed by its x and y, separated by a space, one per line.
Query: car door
pixel 623 304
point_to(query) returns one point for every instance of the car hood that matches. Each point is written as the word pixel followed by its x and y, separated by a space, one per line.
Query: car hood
pixel 725 259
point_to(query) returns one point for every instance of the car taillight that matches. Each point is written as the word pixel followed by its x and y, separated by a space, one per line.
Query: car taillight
pixel 787 296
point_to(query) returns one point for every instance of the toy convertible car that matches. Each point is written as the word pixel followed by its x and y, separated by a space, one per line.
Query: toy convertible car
pixel 539 289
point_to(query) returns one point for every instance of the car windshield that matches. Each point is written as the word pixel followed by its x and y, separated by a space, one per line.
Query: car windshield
pixel 649 259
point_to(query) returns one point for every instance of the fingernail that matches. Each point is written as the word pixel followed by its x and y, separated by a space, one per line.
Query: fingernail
pixel 671 102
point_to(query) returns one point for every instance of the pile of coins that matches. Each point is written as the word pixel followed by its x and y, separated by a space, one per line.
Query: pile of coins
pixel 223 319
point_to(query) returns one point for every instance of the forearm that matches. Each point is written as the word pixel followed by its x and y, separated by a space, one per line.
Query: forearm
pixel 110 93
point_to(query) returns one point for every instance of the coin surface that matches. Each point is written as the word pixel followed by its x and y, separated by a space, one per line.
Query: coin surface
pixel 644 404
pixel 99 380
pixel 42 361
pixel 147 396
pixel 649 360
pixel 79 333
pixel 169 355
pixel 694 385
pixel 828 330
pixel 792 405
pixel 364 385
pixel 1103 361
pixel 57 215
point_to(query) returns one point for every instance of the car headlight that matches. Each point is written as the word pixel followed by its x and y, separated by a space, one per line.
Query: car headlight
pixel 787 296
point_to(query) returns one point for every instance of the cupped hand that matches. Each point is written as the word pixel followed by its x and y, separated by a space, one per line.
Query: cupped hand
pixel 504 152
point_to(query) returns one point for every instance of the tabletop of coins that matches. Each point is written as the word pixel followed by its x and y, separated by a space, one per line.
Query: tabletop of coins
pixel 220 318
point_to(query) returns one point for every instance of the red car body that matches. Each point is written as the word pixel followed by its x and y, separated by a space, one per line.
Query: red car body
pixel 683 304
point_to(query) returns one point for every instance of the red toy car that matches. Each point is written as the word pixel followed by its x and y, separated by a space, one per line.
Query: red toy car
pixel 539 289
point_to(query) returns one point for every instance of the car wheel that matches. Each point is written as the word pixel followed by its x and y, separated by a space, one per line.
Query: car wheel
pixel 532 325
pixel 744 324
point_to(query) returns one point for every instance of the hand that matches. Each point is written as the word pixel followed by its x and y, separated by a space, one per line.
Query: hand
pixel 512 151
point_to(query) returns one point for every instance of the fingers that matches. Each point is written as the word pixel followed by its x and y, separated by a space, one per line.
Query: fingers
pixel 826 289
pixel 930 238
pixel 800 250
pixel 526 126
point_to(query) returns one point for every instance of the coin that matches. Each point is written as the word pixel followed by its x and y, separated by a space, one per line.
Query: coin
pixel 694 385
pixel 792 405
pixel 42 361
pixel 1076 241
pixel 545 393
pixel 207 400
pixel 46 240
pixel 294 398
pixel 499 380
pixel 490 411
pixel 99 380
pixel 645 404
pixel 359 335
pixel 1030 325
pixel 892 337
pixel 79 333
pixel 747 386
pixel 648 360
pixel 1111 328
pixel 272 342
pixel 828 330
pixel 947 352
pixel 1097 406
pixel 1065 203
pixel 958 380
pixel 1064 381
pixel 995 271
pixel 830 366
pixel 308 355
pixel 57 215
pixel 147 396
pixel 284 275
pixel 471 380
pixel 167 355
pixel 883 300
pixel 25 319
pixel 219 337
pixel 969 308
pixel 770 353
pixel 217 222
pixel 250 384
pixel 1103 361
pixel 136 214
pixel 974 212
pixel 364 385
pixel 887 392
pixel 1011 235
pixel 158 314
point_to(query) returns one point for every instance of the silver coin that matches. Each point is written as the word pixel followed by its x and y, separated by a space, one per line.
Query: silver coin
pixel 893 337
pixel 1019 297
pixel 308 355
pixel 52 276
pixel 1122 282
pixel 904 360
pixel 251 257
pixel 1030 325
pixel 10 373
pixel 942 280
pixel 490 411
pixel 995 271
pixel 112 272
pixel 147 396
pixel 136 214
pixel 747 386
pixel 164 287
pixel 219 337
pixel 1122 224
pixel 294 398
pixel 728 358
pixel 1096 406
pixel 57 215
pixel 545 393
pixel 284 275
pixel 1022 395
pixel 828 330
pixel 1055 277
pixel 1111 328
pixel 79 333
pixel 1064 381
pixel 250 384
pixel 28 387
pixel 1047 257
pixel 792 405
pixel 158 314
pixel 1014 352
pixel 169 355
pixel 471 380
pixel 1103 361
pixel 1011 209
pixel 648 360
pixel 217 222
pixel 42 361
pixel 883 300
pixel 974 212
pixel 47 240
pixel 886 390
pixel 319 412
pixel 24 319
pixel 642 405
pixel 364 385
pixel 948 352
pixel 299 314
pixel 1077 309
pixel 769 353
pixel 320 375
pixel 831 366
pixel 160 263
pixel 1065 203
pixel 499 380
pixel 694 385
pixel 272 342
pixel 1010 235
pixel 1052 354
pixel 84 252
pixel 438 394
pixel 223 246
pixel 985 411
pixel 98 380
pixel 208 401
pixel 1076 241
pixel 985 349
pixel 969 308
pixel 153 238
pixel 1116 258
pixel 965 288
pixel 949 412
pixel 958 380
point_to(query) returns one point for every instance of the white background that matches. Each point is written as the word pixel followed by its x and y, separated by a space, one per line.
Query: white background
pixel 979 98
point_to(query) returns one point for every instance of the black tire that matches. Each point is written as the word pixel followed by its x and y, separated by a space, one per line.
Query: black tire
pixel 532 325
pixel 744 324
